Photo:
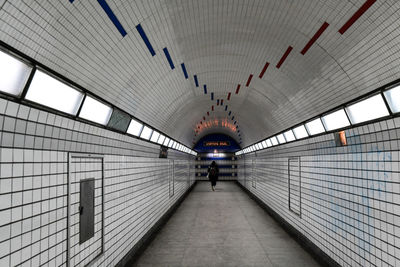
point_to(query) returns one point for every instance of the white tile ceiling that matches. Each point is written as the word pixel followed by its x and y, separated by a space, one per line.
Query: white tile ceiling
pixel 222 42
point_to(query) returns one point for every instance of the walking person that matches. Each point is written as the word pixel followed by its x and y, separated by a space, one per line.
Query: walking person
pixel 213 174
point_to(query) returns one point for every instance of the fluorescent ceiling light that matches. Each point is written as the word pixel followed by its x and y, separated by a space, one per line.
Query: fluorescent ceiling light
pixel 289 136
pixel 269 143
pixel 13 74
pixel 335 120
pixel 52 93
pixel 171 142
pixel 96 111
pixel 264 144
pixel 161 139
pixel 135 128
pixel 368 109
pixel 146 133
pixel 300 132
pixel 155 136
pixel 274 141
pixel 166 141
pixel 281 139
pixel 315 127
pixel 393 98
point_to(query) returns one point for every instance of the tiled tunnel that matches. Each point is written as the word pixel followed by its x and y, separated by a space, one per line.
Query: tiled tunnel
pixel 111 112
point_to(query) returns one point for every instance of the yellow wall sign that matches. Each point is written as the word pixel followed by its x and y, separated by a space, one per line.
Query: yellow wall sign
pixel 217 143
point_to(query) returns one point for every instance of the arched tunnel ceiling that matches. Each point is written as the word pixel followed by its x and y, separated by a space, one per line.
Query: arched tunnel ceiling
pixel 220 41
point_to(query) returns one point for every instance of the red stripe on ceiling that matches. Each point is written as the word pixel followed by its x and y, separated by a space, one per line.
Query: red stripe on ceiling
pixel 356 16
pixel 229 96
pixel 208 113
pixel 204 118
pixel 237 89
pixel 315 37
pixel 284 57
pixel 249 80
pixel 263 70
pixel 212 108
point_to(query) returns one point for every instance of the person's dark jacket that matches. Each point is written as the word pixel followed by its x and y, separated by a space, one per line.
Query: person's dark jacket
pixel 210 176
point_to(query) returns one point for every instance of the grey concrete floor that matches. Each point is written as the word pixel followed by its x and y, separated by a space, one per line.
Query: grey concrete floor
pixel 223 228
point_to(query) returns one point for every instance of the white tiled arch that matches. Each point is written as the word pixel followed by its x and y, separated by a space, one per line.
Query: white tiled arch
pixel 222 42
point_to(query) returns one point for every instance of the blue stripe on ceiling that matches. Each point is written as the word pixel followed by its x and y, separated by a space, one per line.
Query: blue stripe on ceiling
pixel 184 70
pixel 205 89
pixel 234 122
pixel 171 64
pixel 196 82
pixel 145 39
pixel 226 107
pixel 71 1
pixel 217 102
pixel 233 117
pixel 229 113
pixel 212 96
pixel 112 16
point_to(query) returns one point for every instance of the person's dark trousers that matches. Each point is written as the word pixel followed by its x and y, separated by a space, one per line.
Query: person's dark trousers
pixel 213 182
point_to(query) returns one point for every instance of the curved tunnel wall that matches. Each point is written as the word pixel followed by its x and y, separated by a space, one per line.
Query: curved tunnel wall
pixel 34 159
pixel 348 201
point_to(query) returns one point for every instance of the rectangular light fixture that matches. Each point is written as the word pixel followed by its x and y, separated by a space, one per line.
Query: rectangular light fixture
pixel 155 136
pixel 281 139
pixel 50 92
pixel 335 120
pixel 274 141
pixel 264 144
pixel 161 139
pixel 368 109
pixel 269 143
pixel 315 127
pixel 96 111
pixel 393 98
pixel 146 133
pixel 166 141
pixel 300 132
pixel 135 128
pixel 13 74
pixel 289 136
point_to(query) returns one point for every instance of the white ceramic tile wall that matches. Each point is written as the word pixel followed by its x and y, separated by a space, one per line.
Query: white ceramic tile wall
pixel 350 196
pixel 34 151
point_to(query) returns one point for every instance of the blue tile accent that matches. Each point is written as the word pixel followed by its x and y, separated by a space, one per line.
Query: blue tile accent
pixel 145 39
pixel 112 16
pixel 71 1
pixel 212 96
pixel 217 102
pixel 196 82
pixel 184 70
pixel 205 89
pixel 230 112
pixel 233 117
pixel 234 122
pixel 226 107
pixel 171 64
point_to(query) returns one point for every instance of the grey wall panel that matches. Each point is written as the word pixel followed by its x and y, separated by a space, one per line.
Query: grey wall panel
pixel 350 196
pixel 34 151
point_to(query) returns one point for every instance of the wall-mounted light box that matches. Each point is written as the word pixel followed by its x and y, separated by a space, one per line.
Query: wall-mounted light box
pixel 315 127
pixel 96 111
pixel 367 109
pixel 13 74
pixel 335 120
pixel 49 91
pixel 135 128
pixel 300 132
pixel 146 133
